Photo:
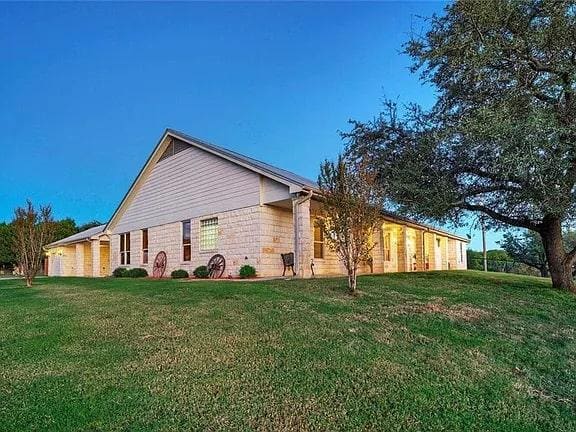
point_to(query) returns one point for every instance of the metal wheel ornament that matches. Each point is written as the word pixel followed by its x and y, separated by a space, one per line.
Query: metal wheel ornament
pixel 159 266
pixel 216 266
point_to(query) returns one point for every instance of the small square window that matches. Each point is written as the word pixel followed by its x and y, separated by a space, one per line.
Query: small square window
pixel 209 234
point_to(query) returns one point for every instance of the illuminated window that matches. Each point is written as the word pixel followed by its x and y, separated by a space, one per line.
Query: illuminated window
pixel 145 246
pixel 318 242
pixel 186 241
pixel 125 249
pixel 209 234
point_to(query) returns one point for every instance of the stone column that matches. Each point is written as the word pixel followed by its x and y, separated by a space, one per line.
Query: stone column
pixel 420 250
pixel 79 259
pixel 402 250
pixel 95 245
pixel 302 236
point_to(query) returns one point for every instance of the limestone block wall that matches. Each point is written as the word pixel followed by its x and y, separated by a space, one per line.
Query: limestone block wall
pixel 62 261
pixel 87 264
pixel 276 237
pixel 459 252
pixel 79 259
pixel 452 256
pixel 238 241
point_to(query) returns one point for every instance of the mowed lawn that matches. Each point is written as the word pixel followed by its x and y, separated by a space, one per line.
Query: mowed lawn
pixel 429 351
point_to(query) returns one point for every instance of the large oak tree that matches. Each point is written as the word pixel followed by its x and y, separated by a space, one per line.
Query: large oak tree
pixel 501 138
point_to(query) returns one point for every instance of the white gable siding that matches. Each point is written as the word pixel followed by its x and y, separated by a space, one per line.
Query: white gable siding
pixel 189 184
pixel 273 191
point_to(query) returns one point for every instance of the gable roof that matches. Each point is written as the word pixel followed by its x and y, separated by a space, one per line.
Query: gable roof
pixel 79 237
pixel 251 162
pixel 294 181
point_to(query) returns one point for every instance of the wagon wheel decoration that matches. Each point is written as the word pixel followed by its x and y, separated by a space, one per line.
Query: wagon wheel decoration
pixel 216 266
pixel 159 266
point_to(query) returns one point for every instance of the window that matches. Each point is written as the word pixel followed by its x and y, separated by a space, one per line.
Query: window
pixel 125 249
pixel 209 234
pixel 387 255
pixel 318 242
pixel 186 241
pixel 145 246
pixel 461 257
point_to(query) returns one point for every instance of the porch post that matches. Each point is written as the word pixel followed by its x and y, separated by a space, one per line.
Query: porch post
pixel 95 245
pixel 302 235
pixel 402 249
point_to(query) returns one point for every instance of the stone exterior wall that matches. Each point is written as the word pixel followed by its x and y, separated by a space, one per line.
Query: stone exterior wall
pixel 62 261
pixel 276 237
pixel 257 235
pixel 87 264
pixel 238 241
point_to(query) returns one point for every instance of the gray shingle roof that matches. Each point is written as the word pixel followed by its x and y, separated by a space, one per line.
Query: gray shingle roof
pixel 78 237
pixel 279 172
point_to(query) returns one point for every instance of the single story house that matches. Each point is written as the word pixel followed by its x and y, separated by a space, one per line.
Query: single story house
pixel 193 199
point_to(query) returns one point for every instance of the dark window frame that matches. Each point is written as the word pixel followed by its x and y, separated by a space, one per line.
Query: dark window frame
pixel 125 248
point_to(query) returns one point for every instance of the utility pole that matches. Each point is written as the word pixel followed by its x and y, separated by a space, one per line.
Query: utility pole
pixel 484 254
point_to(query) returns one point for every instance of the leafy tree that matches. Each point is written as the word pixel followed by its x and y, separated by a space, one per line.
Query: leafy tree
pixel 527 248
pixel 351 211
pixel 501 138
pixel 498 260
pixel 32 230
pixel 64 228
pixel 7 257
pixel 88 225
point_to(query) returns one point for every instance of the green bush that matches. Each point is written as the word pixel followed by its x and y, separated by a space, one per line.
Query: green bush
pixel 120 272
pixel 179 274
pixel 136 273
pixel 247 271
pixel 201 272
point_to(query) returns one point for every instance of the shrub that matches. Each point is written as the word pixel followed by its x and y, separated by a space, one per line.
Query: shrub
pixel 137 273
pixel 179 274
pixel 120 272
pixel 247 271
pixel 201 272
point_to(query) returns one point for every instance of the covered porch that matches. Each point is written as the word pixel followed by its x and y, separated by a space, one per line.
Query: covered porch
pixel 399 245
pixel 84 254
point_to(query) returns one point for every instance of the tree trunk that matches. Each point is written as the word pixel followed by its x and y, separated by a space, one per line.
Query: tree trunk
pixel 28 281
pixel 352 280
pixel 559 265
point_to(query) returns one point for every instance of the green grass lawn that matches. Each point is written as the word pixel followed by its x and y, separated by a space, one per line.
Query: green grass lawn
pixel 428 351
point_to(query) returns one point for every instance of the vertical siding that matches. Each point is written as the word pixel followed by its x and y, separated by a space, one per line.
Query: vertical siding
pixel 189 184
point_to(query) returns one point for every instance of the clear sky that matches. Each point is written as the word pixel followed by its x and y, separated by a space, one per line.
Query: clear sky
pixel 86 89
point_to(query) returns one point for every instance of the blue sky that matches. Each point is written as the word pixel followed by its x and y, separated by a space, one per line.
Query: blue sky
pixel 88 88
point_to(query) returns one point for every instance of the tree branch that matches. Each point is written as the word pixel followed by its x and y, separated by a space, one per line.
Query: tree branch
pixel 523 223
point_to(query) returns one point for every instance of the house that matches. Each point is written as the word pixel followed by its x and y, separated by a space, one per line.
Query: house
pixel 193 199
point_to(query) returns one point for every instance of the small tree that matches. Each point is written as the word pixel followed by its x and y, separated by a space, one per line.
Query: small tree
pixel 350 212
pixel 32 230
